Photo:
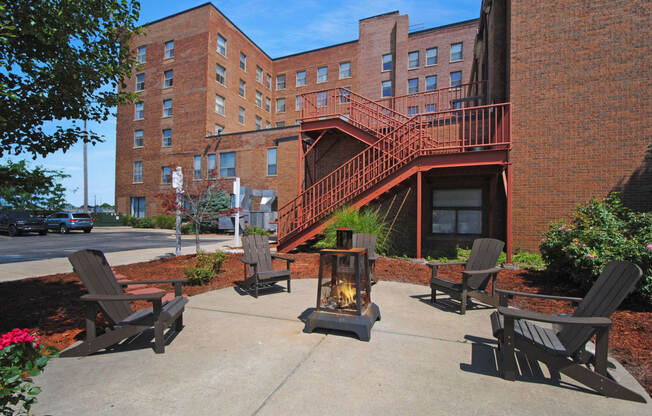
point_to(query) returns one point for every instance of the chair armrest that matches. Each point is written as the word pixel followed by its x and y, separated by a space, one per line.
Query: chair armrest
pixel 276 256
pixel 109 298
pixel 595 321
pixel 247 261
pixel 147 282
pixel 510 294
pixel 454 263
pixel 477 272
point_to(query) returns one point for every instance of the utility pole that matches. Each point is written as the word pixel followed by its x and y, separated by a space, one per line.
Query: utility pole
pixel 85 169
pixel 177 184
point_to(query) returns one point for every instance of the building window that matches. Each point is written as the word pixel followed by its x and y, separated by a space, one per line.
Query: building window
pixel 212 171
pixel 142 54
pixel 413 60
pixel 241 115
pixel 431 82
pixel 167 107
pixel 168 78
pixel 220 74
pixel 268 104
pixel 259 123
pixel 387 88
pixel 387 62
pixel 259 99
pixel 243 61
pixel 138 138
pixel 242 88
pixel 457 211
pixel 219 104
pixel 413 110
pixel 267 124
pixel 138 172
pixel 169 49
pixel 140 82
pixel 431 56
pixel 166 175
pixel 221 45
pixel 197 167
pixel 322 74
pixel 167 138
pixel 345 96
pixel 219 129
pixel 456 78
pixel 280 82
pixel 456 52
pixel 138 207
pixel 268 81
pixel 139 111
pixel 280 124
pixel 297 103
pixel 280 105
pixel 271 162
pixel 322 99
pixel 413 85
pixel 301 78
pixel 430 108
pixel 345 70
pixel 259 74
pixel 227 164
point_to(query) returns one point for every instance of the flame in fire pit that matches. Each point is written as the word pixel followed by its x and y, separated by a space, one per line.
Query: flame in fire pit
pixel 346 293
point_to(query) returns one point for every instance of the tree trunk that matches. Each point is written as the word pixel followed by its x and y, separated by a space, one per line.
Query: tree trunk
pixel 197 249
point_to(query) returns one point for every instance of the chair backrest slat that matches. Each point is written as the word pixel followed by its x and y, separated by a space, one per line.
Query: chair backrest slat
pixel 256 248
pixel 484 255
pixel 96 275
pixel 366 241
pixel 616 281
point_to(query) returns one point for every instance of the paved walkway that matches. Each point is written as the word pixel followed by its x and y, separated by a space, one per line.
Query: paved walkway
pixel 243 356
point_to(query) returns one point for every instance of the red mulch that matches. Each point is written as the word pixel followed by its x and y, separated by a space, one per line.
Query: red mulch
pixel 48 304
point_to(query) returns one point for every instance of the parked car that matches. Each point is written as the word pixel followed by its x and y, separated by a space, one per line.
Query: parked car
pixel 66 221
pixel 17 222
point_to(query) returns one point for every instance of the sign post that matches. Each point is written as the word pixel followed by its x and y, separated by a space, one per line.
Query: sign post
pixel 177 184
pixel 236 193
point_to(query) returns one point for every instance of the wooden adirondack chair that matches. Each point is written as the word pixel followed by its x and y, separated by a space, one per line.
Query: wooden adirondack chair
pixel 368 242
pixel 106 293
pixel 479 271
pixel 259 271
pixel 564 350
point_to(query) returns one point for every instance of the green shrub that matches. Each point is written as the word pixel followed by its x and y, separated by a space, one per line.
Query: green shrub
pixel 206 267
pixel 362 221
pixel 144 223
pixel 167 222
pixel 254 230
pixel 186 228
pixel 600 231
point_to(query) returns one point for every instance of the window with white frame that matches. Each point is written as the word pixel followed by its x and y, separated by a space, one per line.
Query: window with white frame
pixel 413 59
pixel 322 74
pixel 386 88
pixel 212 167
pixel 456 52
pixel 301 78
pixel 431 56
pixel 280 105
pixel 268 81
pixel 139 111
pixel 280 82
pixel 259 123
pixel 196 167
pixel 242 88
pixel 167 138
pixel 219 129
pixel 241 115
pixel 140 82
pixel 138 138
pixel 221 45
pixel 227 164
pixel 168 78
pixel 259 99
pixel 220 74
pixel 387 62
pixel 167 107
pixel 271 162
pixel 413 85
pixel 142 54
pixel 259 74
pixel 345 70
pixel 243 61
pixel 219 104
pixel 138 171
pixel 456 78
pixel 166 175
pixel 169 49
pixel 268 104
pixel 457 211
pixel 431 82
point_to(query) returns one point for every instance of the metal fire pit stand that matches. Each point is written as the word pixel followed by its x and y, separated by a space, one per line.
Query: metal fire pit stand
pixel 359 322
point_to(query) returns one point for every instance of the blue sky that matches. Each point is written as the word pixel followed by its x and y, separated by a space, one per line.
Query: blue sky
pixel 279 28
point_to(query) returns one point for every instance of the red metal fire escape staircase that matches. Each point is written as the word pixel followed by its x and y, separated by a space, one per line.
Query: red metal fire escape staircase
pixel 404 146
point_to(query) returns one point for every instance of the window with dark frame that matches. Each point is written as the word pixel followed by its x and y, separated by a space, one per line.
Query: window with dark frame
pixel 166 175
pixel 457 211
pixel 386 87
pixel 167 138
pixel 168 78
pixel 243 61
pixel 220 74
pixel 140 82
pixel 167 107
pixel 138 206
pixel 456 78
pixel 212 168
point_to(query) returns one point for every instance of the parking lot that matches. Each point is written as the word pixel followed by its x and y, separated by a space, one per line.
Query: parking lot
pixel 30 247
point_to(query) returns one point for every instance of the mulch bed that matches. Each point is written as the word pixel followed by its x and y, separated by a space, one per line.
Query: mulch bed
pixel 48 304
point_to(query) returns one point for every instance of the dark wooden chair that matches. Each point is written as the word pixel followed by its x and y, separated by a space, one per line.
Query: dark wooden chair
pixel 259 270
pixel 564 350
pixel 479 271
pixel 368 242
pixel 106 294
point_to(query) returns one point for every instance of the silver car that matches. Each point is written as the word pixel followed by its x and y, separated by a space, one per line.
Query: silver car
pixel 66 221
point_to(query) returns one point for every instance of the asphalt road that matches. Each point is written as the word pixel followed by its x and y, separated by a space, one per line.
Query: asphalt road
pixel 31 246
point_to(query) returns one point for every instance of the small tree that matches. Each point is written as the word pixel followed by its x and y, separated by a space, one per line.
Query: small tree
pixel 200 202
pixel 31 189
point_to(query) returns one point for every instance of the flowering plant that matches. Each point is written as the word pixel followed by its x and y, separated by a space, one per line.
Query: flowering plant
pixel 599 232
pixel 22 356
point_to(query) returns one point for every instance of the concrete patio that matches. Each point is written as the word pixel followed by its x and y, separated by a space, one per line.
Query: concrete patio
pixel 243 356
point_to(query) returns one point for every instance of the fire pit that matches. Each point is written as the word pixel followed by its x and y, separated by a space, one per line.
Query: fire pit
pixel 344 293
